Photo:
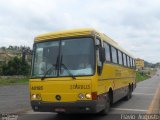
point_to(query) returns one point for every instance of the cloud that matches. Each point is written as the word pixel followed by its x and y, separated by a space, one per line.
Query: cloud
pixel 134 24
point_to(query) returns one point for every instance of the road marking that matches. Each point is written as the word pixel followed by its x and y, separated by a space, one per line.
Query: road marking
pixel 153 102
pixel 32 112
pixel 143 87
pixel 146 87
pixel 143 94
pixel 125 109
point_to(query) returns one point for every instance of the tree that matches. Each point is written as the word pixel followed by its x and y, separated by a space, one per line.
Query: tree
pixel 16 67
pixel 3 48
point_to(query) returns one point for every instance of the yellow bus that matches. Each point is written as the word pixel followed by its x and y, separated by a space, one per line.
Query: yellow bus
pixel 79 71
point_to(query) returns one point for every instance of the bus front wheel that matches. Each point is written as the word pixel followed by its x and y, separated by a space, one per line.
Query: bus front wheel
pixel 107 106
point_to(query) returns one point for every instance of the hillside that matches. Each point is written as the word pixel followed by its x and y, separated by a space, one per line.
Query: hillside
pixel 8 53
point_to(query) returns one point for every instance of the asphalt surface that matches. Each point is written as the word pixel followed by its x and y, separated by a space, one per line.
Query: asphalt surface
pixel 138 104
pixel 14 98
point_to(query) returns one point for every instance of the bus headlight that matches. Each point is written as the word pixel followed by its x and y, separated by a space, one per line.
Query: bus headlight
pixel 81 96
pixel 36 96
pixel 88 96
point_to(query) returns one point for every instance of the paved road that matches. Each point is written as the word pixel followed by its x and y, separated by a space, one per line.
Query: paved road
pixel 14 98
pixel 141 100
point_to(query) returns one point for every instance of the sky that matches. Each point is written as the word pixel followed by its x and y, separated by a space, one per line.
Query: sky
pixel 134 24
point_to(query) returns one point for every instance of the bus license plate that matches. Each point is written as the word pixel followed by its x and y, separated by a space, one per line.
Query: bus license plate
pixel 60 110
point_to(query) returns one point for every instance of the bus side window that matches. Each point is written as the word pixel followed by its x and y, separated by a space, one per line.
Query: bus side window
pixel 129 61
pixel 124 59
pixel 97 50
pixel 114 55
pixel 107 51
pixel 120 57
pixel 98 44
pixel 133 63
pixel 128 64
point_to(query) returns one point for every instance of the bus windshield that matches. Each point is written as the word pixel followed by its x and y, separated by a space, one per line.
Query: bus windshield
pixel 70 57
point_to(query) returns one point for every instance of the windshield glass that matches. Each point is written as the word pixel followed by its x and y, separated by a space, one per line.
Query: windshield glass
pixel 70 57
pixel 45 58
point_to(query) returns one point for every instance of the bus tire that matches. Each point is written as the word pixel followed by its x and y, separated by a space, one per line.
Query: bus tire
pixel 107 106
pixel 132 87
pixel 129 94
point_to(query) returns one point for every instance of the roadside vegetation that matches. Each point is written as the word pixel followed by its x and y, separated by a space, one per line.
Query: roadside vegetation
pixel 15 71
pixel 146 73
pixel 16 66
pixel 6 80
pixel 140 76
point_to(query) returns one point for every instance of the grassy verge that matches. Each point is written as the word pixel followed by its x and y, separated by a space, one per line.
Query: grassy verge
pixel 141 76
pixel 6 81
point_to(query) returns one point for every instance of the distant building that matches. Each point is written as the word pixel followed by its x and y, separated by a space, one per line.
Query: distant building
pixel 139 64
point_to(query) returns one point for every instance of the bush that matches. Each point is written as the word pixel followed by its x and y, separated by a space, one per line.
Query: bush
pixel 16 67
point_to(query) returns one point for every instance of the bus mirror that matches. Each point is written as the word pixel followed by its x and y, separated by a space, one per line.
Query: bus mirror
pixel 102 54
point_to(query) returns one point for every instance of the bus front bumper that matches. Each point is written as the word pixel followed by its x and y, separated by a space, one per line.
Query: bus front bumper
pixel 66 107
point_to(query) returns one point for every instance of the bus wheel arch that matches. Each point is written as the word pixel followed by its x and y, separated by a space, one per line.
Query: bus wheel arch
pixel 107 103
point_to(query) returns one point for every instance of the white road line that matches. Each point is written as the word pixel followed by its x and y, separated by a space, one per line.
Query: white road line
pixel 143 94
pixel 146 87
pixel 32 112
pixel 125 109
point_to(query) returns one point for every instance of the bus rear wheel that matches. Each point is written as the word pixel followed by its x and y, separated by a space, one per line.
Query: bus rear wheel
pixel 129 94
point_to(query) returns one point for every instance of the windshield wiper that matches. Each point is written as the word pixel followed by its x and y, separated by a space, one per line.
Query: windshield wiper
pixel 69 72
pixel 65 67
pixel 57 67
pixel 53 65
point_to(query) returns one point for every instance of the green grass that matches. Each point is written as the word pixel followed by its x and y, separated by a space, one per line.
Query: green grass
pixel 141 77
pixel 13 81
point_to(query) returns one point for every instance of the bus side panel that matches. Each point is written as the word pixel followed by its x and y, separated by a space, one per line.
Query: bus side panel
pixel 117 78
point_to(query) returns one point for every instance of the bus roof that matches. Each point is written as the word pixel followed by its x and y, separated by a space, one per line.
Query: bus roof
pixel 79 32
pixel 64 33
pixel 114 44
